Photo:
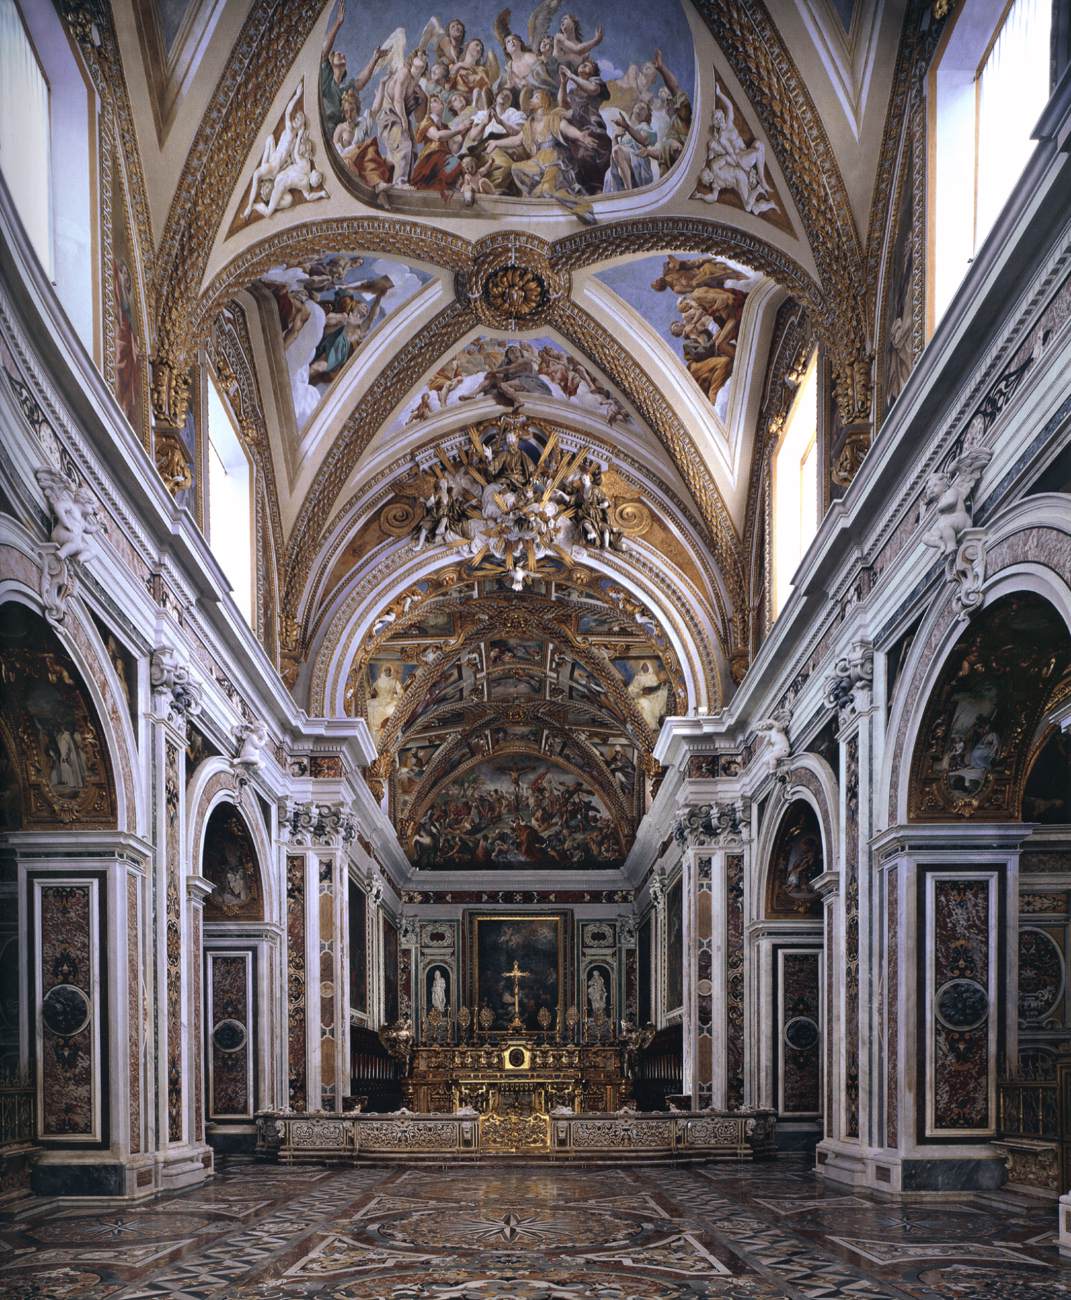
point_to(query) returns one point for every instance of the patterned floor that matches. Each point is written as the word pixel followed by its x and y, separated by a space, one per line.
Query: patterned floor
pixel 527 1234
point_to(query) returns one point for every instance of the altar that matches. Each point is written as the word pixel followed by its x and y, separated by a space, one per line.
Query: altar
pixel 516 1076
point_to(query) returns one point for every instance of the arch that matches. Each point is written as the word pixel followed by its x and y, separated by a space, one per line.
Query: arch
pixel 353 622
pixel 20 583
pixel 214 786
pixel 1035 526
pixel 970 751
pixel 809 781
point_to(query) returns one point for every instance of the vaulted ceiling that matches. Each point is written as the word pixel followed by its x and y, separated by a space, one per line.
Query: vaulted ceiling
pixel 415 323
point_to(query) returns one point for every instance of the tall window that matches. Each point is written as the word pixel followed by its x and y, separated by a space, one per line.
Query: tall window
pixel 795 486
pixel 989 87
pixel 230 502
pixel 24 132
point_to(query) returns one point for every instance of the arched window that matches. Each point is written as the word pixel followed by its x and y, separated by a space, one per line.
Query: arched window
pixel 47 150
pixel 230 501
pixel 988 87
pixel 795 486
pixel 25 144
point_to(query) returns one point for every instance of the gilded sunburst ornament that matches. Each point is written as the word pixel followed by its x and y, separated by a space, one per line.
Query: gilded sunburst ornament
pixel 516 292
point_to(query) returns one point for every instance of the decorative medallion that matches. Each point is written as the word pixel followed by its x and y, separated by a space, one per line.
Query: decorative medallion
pixel 229 1036
pixel 65 1010
pixel 1041 975
pixel 801 1034
pixel 515 292
pixel 513 280
pixel 961 1004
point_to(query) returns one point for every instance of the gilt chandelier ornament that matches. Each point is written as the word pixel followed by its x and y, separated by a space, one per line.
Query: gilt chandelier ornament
pixel 508 505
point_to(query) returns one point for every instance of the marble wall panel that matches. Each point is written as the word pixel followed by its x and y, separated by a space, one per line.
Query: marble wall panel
pixel 295 982
pixel 799 1036
pixel 734 980
pixel 231 1034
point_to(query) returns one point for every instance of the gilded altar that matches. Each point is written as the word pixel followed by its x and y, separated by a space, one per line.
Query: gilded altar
pixel 512 1083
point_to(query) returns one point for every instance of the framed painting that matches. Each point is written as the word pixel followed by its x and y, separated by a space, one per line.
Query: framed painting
pixel 535 947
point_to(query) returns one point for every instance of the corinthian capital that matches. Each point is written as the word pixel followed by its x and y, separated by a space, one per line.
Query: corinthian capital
pixel 173 685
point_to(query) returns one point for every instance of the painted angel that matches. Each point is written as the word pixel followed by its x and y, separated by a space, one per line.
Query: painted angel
pixel 526 61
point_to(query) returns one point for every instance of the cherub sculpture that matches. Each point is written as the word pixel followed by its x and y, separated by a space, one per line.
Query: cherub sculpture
pixel 285 165
pixel 775 729
pixel 946 492
pixel 76 519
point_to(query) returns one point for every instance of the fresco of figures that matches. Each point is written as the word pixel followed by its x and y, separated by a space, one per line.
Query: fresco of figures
pixel 230 863
pixel 695 304
pixel 49 727
pixel 509 371
pixel 970 756
pixel 549 102
pixel 517 810
pixel 326 309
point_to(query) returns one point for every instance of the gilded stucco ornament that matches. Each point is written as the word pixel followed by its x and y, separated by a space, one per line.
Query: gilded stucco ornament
pixel 513 281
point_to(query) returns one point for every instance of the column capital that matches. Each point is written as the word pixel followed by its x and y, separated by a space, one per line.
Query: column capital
pixel 712 825
pixel 849 688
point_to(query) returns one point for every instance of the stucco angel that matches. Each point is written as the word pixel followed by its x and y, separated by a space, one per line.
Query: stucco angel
pixel 76 519
pixel 286 164
pixel 946 492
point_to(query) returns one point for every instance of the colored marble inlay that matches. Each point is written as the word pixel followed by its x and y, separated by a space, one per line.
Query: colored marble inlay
pixel 734 980
pixel 198 1034
pixel 800 1034
pixel 892 1015
pixel 327 986
pixel 704 969
pixel 651 1233
pixel 67 1011
pixel 851 937
pixel 133 1009
pixel 230 1035
pixel 295 980
pixel 960 1002
pixel 173 944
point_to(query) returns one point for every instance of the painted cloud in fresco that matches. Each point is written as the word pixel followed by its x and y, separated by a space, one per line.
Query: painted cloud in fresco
pixel 695 304
pixel 541 101
pixel 327 308
pixel 509 370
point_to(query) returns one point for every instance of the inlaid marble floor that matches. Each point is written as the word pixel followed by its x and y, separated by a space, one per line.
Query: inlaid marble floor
pixel 527 1234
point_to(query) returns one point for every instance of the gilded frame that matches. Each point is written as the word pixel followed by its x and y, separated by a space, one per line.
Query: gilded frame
pixel 472 951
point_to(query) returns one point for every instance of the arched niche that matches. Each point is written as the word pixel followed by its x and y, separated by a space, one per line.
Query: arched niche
pixel 1047 789
pixel 796 860
pixel 229 861
pixel 58 766
pixel 982 716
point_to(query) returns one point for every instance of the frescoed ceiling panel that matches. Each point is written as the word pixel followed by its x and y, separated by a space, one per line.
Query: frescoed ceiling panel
pixel 484 81
pixel 324 310
pixel 695 305
pixel 512 372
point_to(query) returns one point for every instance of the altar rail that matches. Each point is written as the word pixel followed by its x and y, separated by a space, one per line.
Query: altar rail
pixel 626 1137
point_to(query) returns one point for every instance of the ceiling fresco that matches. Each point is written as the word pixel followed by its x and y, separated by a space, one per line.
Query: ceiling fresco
pixel 457 272
pixel 510 372
pixel 695 305
pixel 544 105
pixel 552 695
pixel 325 310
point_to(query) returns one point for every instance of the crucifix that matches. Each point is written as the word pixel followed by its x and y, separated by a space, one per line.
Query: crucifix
pixel 516 975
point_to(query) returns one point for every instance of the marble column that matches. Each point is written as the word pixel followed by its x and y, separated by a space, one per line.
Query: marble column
pixel 850 986
pixel 319 835
pixel 176 1082
pixel 715 1048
